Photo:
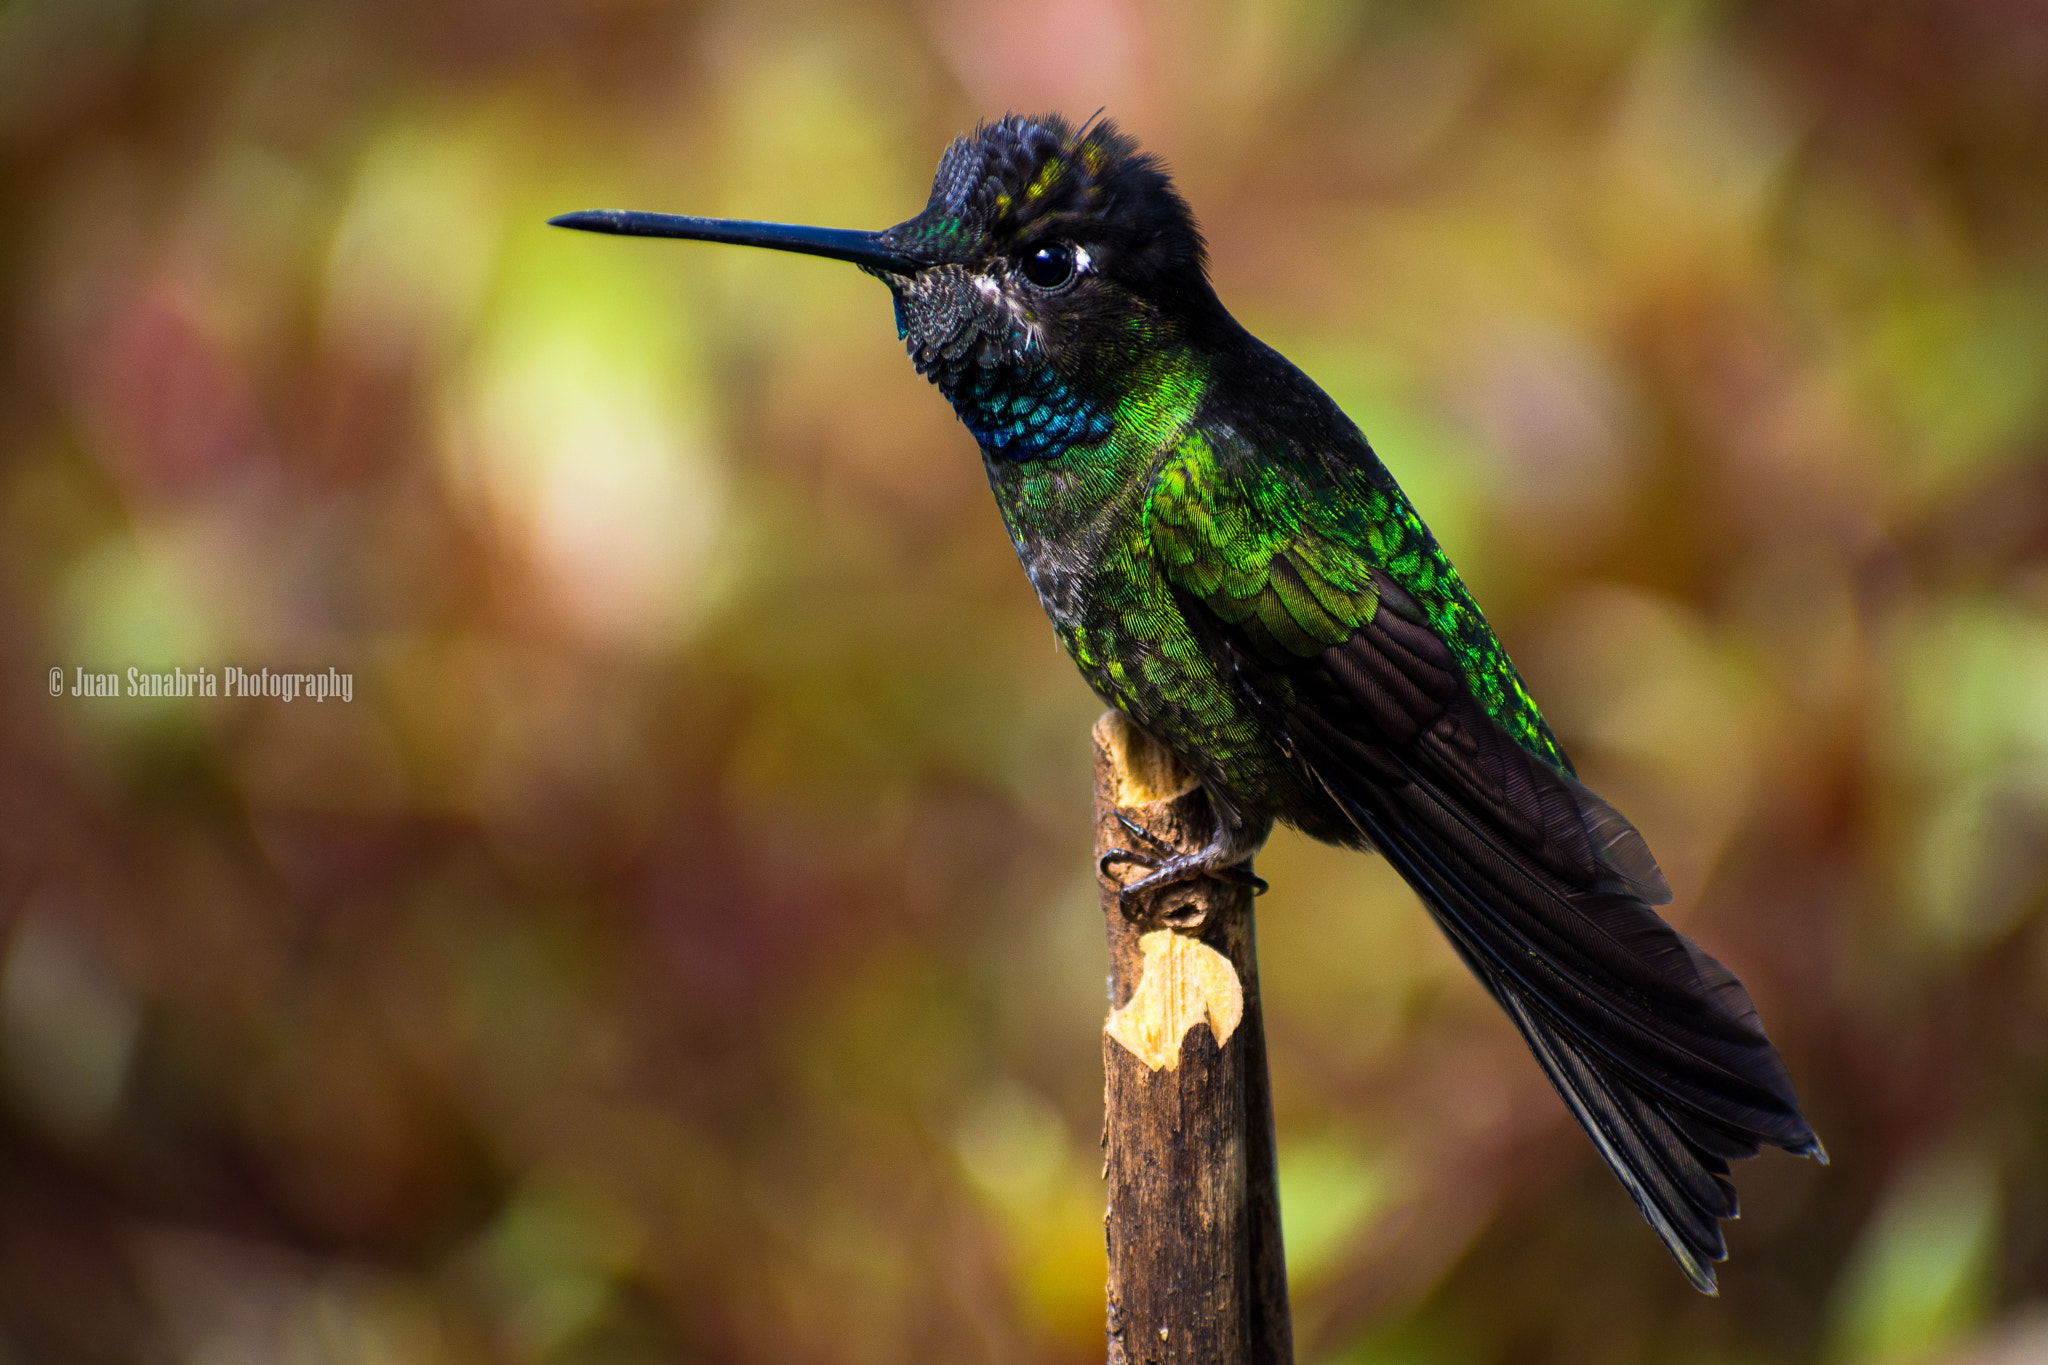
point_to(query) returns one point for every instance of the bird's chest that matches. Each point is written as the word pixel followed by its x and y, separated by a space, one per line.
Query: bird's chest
pixel 1080 589
pixel 1118 618
pixel 1088 554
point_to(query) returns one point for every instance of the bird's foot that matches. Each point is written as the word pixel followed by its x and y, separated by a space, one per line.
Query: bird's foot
pixel 1165 869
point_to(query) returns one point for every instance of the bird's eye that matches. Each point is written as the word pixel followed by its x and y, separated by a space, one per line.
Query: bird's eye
pixel 1050 266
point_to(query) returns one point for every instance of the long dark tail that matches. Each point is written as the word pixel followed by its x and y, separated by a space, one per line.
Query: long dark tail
pixel 1653 1044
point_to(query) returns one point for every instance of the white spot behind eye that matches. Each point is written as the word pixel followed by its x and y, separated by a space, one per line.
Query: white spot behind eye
pixel 1082 260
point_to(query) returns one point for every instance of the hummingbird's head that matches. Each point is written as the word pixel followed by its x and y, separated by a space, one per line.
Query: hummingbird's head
pixel 1046 244
pixel 1044 247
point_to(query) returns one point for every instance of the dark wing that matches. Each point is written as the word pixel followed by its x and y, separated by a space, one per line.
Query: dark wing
pixel 1542 887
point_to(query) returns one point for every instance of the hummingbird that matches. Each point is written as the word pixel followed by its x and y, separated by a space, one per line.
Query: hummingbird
pixel 1230 565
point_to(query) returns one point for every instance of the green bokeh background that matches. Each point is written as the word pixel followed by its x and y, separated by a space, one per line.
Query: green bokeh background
pixel 682 947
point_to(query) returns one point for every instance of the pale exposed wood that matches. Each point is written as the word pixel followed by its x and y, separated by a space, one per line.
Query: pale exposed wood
pixel 1146 773
pixel 1196 1271
pixel 1182 983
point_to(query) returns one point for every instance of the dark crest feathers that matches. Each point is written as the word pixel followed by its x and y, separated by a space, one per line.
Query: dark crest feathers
pixel 1031 177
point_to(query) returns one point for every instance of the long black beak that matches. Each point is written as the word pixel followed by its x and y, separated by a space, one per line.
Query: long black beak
pixel 841 244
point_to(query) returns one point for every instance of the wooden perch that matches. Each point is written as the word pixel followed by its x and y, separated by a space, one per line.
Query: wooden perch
pixel 1196 1271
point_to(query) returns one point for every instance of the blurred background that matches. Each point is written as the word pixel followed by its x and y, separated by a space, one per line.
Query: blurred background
pixel 683 945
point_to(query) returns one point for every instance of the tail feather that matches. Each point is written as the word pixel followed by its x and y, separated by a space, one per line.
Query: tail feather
pixel 1652 1044
pixel 1680 1190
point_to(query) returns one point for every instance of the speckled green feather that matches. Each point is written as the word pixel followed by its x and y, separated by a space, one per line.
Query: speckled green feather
pixel 1292 561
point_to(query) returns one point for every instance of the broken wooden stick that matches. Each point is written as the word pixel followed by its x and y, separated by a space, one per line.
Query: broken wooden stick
pixel 1197 1275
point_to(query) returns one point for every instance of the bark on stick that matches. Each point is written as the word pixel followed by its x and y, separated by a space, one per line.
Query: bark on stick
pixel 1196 1272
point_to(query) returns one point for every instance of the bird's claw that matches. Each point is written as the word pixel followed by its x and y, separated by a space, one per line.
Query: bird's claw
pixel 1161 852
pixel 1167 872
pixel 1123 855
pixel 1140 833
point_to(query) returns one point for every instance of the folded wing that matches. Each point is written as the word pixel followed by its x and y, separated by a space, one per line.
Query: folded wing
pixel 1542 887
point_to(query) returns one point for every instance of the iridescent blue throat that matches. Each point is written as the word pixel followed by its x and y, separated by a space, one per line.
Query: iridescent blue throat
pixel 1027 415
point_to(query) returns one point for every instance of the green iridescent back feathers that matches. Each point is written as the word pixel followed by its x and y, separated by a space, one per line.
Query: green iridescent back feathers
pixel 1292 559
